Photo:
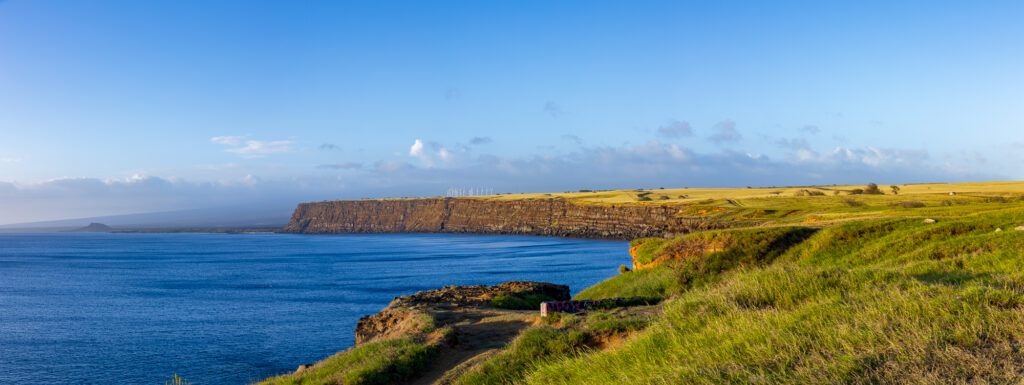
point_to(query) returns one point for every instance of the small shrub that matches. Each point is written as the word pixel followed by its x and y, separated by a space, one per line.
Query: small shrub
pixel 856 191
pixel 909 204
pixel 513 302
pixel 623 269
pixel 805 192
pixel 853 202
pixel 895 189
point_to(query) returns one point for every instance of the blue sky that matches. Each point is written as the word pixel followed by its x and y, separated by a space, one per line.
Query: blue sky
pixel 111 107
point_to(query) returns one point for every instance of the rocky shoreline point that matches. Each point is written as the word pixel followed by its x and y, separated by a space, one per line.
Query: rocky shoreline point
pixel 448 306
pixel 460 321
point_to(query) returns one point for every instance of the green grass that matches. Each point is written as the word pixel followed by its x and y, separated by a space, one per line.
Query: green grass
pixel 735 248
pixel 874 301
pixel 378 362
pixel 519 302
pixel 532 347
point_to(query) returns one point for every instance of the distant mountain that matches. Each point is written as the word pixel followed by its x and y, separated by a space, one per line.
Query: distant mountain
pixel 218 217
pixel 93 228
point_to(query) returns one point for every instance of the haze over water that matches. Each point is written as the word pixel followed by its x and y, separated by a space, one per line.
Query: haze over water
pixel 229 309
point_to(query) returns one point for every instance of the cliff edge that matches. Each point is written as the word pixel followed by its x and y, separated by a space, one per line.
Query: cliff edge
pixel 549 217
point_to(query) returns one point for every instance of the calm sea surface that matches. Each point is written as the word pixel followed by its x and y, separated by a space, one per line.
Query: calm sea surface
pixel 230 309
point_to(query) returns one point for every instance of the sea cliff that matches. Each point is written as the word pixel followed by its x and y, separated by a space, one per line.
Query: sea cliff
pixel 551 217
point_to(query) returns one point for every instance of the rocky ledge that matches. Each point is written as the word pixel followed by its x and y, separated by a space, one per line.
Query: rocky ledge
pixel 448 305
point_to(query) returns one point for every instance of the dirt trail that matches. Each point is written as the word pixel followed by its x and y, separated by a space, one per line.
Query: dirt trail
pixel 477 329
pixel 478 333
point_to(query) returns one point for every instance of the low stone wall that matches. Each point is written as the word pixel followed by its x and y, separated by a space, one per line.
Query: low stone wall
pixel 578 306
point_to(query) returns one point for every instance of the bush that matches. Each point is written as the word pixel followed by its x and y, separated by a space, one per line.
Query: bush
pixel 909 204
pixel 623 269
pixel 806 192
pixel 525 302
pixel 872 189
pixel 856 191
pixel 853 202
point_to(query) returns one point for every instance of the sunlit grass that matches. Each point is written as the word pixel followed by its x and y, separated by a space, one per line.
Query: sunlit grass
pixel 880 301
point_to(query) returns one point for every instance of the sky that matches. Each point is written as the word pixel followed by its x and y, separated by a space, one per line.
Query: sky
pixel 116 107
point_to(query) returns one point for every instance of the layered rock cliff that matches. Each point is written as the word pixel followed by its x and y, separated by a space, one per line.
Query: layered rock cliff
pixel 552 217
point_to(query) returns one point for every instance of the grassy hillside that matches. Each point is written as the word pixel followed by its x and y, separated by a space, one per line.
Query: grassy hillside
pixel 919 287
pixel 873 301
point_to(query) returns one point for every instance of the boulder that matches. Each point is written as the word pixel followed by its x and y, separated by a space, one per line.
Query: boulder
pixel 303 367
pixel 1019 228
pixel 998 229
pixel 929 220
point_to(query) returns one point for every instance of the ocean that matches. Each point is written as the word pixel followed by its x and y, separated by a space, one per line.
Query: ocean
pixel 89 308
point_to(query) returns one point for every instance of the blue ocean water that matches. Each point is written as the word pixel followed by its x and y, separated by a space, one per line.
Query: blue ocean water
pixel 84 308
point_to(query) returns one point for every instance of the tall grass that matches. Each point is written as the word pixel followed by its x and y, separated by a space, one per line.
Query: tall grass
pixel 378 362
pixel 883 301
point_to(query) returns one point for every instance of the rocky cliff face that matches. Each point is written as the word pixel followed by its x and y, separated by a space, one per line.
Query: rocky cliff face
pixel 552 217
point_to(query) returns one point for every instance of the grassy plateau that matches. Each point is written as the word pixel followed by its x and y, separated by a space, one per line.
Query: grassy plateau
pixel 810 285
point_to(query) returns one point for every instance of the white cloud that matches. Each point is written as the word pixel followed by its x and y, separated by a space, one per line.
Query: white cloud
pixel 811 129
pixel 342 165
pixel 260 148
pixel 725 132
pixel 675 129
pixel 429 153
pixel 228 140
pixel 10 160
pixel 253 148
pixel 416 149
pixel 445 154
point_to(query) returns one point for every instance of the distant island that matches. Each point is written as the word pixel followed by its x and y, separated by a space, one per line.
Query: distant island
pixel 93 227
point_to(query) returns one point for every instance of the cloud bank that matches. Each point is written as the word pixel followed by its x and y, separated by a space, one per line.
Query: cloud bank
pixel 430 168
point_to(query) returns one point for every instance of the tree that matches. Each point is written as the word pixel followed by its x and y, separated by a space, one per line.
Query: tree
pixel 895 189
pixel 872 188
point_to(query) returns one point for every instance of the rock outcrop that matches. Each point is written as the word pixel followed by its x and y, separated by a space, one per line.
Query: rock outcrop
pixel 551 217
pixel 432 308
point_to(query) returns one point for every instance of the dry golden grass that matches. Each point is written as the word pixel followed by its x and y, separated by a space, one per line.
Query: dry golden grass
pixel 739 195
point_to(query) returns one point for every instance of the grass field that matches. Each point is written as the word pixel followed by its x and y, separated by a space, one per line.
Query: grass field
pixel 751 196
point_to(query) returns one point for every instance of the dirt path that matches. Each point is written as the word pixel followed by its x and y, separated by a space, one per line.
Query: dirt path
pixel 478 333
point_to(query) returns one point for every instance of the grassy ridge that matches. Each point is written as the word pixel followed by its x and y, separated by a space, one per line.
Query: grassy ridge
pixel 875 301
pixel 693 266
